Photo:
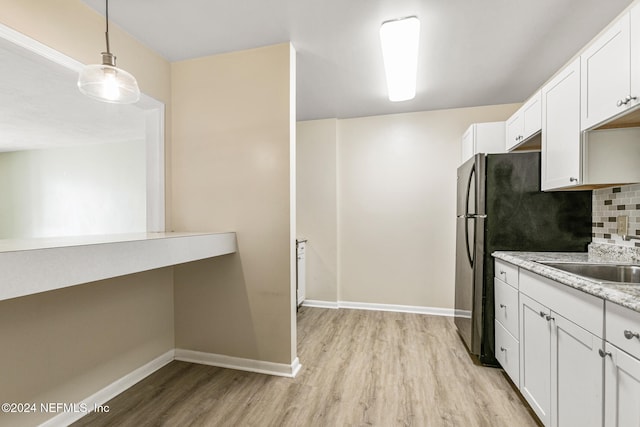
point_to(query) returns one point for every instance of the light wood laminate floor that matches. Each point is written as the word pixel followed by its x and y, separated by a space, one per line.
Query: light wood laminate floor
pixel 359 368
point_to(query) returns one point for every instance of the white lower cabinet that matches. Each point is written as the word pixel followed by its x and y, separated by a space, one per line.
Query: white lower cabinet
pixel 535 357
pixel 507 345
pixel 622 388
pixel 508 353
pixel 576 375
pixel 622 367
pixel 560 367
pixel 574 358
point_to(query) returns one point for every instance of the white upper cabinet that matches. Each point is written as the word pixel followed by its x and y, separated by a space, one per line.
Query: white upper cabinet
pixel 561 129
pixel 525 123
pixel 514 130
pixel 606 73
pixel 482 138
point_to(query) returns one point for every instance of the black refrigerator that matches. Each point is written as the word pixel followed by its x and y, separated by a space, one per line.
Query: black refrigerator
pixel 500 207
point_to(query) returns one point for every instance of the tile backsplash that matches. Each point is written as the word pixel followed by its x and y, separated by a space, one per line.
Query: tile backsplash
pixel 608 204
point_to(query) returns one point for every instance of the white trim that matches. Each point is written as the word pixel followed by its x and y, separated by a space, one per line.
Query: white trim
pixel 239 363
pixel 293 266
pixel 320 304
pixel 112 390
pixel 39 48
pixel 432 311
pixel 155 159
pixel 464 313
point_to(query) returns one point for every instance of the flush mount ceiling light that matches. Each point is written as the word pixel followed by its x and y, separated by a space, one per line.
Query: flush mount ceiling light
pixel 399 39
pixel 106 82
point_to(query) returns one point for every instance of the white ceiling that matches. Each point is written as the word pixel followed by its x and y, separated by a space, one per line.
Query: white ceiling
pixel 41 107
pixel 472 52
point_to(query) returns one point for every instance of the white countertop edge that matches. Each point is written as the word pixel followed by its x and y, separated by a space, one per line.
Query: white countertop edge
pixel 28 244
pixel 32 266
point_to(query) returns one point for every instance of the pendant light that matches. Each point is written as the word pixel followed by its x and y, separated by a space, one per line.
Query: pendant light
pixel 106 82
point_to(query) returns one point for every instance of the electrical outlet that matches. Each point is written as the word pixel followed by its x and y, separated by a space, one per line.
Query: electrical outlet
pixel 623 225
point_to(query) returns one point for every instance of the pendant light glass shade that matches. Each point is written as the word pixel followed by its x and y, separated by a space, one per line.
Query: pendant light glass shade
pixel 106 82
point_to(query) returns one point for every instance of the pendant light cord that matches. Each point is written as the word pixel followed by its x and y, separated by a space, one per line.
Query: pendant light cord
pixel 106 34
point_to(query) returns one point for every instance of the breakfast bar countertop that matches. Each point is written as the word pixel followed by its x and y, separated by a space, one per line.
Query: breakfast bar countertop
pixel 627 295
pixel 31 266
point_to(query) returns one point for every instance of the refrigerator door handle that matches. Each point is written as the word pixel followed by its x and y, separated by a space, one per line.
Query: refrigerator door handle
pixel 467 215
pixel 473 216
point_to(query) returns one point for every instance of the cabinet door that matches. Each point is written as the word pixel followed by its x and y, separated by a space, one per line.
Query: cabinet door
pixel 606 75
pixel 576 375
pixel 535 357
pixel 561 129
pixel 532 116
pixel 634 27
pixel 506 306
pixel 508 353
pixel 514 130
pixel 622 389
pixel 301 271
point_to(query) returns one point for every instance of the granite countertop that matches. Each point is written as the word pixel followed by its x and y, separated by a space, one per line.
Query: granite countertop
pixel 625 295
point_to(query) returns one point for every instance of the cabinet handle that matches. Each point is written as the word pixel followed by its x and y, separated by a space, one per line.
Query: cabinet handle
pixel 503 349
pixel 626 100
pixel 549 318
pixel 502 272
pixel 542 314
pixel 573 179
pixel 603 353
pixel 503 306
pixel 630 335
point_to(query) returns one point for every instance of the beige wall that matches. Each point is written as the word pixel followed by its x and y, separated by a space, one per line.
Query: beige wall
pixel 66 345
pixel 396 182
pixel 317 211
pixel 231 171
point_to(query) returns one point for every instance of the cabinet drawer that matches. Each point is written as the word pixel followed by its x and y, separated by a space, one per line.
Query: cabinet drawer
pixel 621 323
pixel 579 307
pixel 506 306
pixel 508 353
pixel 506 272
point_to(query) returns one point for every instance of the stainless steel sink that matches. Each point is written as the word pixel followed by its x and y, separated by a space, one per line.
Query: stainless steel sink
pixel 601 272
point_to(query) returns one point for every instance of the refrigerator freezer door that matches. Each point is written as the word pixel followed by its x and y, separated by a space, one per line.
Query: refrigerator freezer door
pixel 464 283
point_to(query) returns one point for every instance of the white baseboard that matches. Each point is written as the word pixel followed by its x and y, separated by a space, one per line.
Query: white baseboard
pixel 463 313
pixel 229 362
pixel 115 388
pixel 109 392
pixel 433 311
pixel 320 304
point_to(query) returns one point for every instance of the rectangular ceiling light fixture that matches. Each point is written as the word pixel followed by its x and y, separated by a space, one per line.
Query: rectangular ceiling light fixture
pixel 399 39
